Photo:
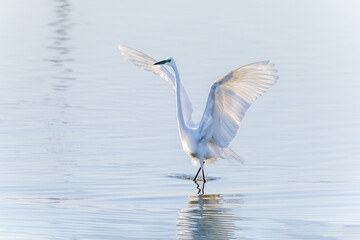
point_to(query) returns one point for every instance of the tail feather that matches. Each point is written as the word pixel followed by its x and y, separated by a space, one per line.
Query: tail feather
pixel 232 155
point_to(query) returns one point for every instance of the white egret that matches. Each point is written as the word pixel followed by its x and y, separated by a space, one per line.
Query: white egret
pixel 229 98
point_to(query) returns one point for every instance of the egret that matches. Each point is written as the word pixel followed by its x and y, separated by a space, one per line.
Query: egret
pixel 229 98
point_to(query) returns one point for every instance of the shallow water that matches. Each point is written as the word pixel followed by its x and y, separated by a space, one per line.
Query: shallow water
pixel 89 143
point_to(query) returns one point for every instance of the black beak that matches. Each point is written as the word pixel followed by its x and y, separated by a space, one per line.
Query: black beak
pixel 161 62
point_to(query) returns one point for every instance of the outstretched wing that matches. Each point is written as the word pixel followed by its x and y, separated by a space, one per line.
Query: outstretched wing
pixel 230 97
pixel 146 62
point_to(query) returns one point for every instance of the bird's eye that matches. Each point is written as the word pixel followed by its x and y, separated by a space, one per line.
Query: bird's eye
pixel 169 60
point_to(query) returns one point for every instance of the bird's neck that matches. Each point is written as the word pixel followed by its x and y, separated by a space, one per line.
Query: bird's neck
pixel 181 122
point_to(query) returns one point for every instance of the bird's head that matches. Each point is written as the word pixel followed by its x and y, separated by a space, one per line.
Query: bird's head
pixel 168 61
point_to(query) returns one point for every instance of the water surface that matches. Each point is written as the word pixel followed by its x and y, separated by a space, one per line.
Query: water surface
pixel 89 143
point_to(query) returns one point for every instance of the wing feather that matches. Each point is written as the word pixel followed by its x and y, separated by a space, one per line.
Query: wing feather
pixel 146 62
pixel 230 97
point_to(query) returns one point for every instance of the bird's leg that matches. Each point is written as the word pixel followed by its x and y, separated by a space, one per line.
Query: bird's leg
pixel 202 162
pixel 197 174
pixel 203 175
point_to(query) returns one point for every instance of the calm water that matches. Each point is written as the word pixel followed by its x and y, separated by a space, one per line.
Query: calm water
pixel 89 143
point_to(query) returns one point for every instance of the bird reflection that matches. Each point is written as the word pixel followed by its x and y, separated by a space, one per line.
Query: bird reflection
pixel 61 75
pixel 208 216
pixel 60 46
pixel 200 190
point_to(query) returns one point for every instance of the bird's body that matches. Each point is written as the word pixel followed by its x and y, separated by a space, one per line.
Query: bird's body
pixel 229 98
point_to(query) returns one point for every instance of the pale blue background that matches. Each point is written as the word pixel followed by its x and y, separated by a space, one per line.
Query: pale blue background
pixel 89 143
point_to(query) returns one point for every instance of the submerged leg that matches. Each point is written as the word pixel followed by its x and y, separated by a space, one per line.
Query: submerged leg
pixel 197 174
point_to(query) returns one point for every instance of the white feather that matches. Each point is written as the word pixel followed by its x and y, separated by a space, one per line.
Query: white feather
pixel 229 98
pixel 146 62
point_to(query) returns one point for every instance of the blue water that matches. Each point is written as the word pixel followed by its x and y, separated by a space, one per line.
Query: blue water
pixel 89 143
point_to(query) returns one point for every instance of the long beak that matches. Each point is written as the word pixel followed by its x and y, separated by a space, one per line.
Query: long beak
pixel 161 62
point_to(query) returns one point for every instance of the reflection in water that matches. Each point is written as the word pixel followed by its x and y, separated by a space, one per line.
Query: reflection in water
pixel 60 47
pixel 59 56
pixel 200 189
pixel 191 177
pixel 208 216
